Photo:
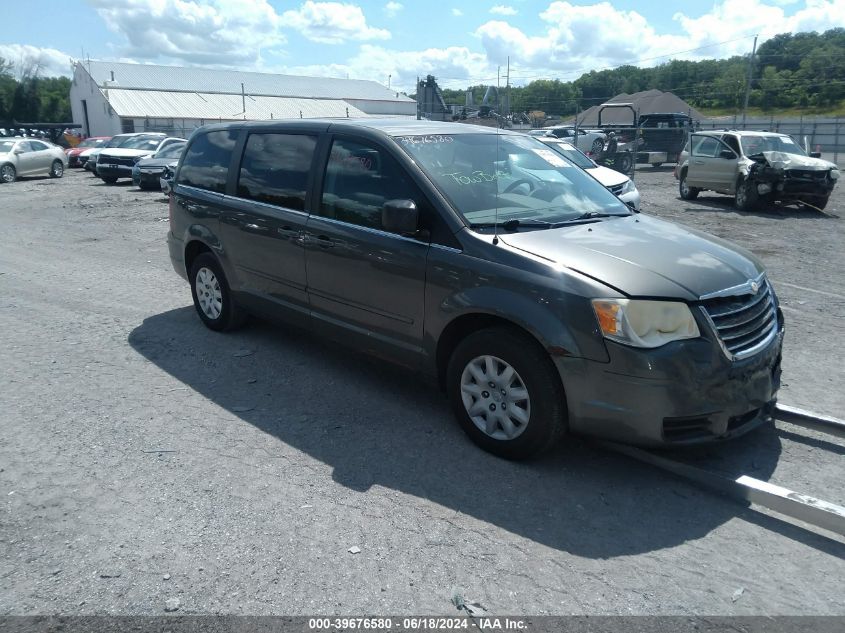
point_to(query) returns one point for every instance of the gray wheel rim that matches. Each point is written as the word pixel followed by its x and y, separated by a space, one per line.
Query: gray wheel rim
pixel 740 195
pixel 209 294
pixel 58 169
pixel 7 173
pixel 598 145
pixel 495 398
pixel 684 187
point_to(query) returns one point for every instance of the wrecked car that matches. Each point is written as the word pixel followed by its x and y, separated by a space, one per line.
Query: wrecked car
pixel 757 168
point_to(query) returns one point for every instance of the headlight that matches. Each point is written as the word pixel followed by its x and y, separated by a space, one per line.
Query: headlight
pixel 834 174
pixel 628 187
pixel 645 323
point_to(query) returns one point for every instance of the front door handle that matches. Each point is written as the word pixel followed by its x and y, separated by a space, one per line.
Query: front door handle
pixel 698 162
pixel 324 241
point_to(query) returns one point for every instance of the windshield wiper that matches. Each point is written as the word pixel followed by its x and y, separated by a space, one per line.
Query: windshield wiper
pixel 513 225
pixel 590 215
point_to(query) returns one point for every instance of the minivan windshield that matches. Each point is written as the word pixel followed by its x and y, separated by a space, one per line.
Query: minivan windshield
pixel 757 144
pixel 509 178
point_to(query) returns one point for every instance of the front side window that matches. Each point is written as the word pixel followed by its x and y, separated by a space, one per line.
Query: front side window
pixel 359 179
pixel 489 177
pixel 705 146
pixel 206 163
pixel 275 168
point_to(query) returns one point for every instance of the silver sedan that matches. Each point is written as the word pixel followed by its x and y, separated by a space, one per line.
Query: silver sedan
pixel 30 157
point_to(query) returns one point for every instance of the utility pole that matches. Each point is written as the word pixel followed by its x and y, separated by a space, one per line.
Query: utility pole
pixel 388 81
pixel 748 81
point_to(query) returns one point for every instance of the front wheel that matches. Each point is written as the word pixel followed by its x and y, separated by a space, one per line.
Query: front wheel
pixel 109 180
pixel 57 169
pixel 747 197
pixel 506 394
pixel 212 297
pixel 597 147
pixel 8 173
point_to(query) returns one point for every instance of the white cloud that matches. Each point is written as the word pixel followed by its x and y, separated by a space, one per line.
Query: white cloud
pixel 455 66
pixel 226 32
pixel 457 12
pixel 48 62
pixel 501 9
pixel 392 8
pixel 577 38
pixel 332 23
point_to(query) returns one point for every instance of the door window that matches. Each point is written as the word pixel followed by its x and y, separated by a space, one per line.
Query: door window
pixel 275 169
pixel 732 142
pixel 206 164
pixel 26 146
pixel 38 146
pixel 705 146
pixel 359 180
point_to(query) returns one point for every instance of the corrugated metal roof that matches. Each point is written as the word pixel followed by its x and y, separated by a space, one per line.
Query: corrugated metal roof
pixel 195 105
pixel 175 78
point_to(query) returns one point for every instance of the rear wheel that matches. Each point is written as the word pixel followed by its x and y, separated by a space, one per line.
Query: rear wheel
pixel 8 173
pixel 747 198
pixel 212 297
pixel 506 394
pixel 109 180
pixel 818 203
pixel 687 192
pixel 622 163
pixel 597 147
pixel 57 169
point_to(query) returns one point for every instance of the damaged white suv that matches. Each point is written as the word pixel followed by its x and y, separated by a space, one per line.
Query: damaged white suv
pixel 756 167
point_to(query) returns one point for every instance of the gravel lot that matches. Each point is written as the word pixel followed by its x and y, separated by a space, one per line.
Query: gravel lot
pixel 145 458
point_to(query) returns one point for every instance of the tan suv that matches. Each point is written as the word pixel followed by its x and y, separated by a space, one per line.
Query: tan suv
pixel 756 167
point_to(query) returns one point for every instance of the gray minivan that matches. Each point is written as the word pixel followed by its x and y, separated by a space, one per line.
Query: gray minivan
pixel 540 302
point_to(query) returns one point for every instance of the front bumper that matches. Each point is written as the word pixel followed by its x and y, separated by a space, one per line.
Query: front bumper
pixel 632 197
pixel 177 254
pixel 686 392
pixel 147 177
pixel 106 170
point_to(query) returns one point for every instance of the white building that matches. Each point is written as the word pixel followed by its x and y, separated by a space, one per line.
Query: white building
pixel 108 98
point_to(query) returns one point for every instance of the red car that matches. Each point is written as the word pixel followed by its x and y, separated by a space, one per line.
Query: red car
pixel 74 152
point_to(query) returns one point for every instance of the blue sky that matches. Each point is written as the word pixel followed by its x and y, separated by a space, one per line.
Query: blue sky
pixel 461 43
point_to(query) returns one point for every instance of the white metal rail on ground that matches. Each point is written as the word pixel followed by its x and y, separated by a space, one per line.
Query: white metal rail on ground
pixel 806 508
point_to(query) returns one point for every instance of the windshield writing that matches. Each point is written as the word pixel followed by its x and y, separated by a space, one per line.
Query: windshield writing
pixel 492 178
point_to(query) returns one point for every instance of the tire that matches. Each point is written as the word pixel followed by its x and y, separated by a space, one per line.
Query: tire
pixel 818 203
pixel 57 169
pixel 656 165
pixel 8 173
pixel 542 417
pixel 145 186
pixel 687 192
pixel 215 305
pixel 109 180
pixel 622 163
pixel 597 147
pixel 747 198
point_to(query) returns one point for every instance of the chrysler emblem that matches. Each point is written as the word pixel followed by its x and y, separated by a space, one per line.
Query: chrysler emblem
pixel 754 287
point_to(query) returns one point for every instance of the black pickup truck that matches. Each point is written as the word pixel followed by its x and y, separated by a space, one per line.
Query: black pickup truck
pixel 660 136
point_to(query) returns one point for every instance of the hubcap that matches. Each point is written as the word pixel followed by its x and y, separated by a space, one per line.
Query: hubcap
pixel 684 187
pixel 58 169
pixel 7 173
pixel 495 398
pixel 740 195
pixel 209 295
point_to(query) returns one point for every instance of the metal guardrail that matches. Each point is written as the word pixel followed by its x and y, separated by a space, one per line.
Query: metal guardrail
pixel 808 509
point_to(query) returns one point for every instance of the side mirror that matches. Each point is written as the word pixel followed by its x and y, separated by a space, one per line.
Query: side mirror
pixel 726 153
pixel 815 154
pixel 400 216
pixel 18 151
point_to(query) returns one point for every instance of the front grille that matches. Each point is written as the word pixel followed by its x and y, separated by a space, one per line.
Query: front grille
pixel 743 322
pixel 805 174
pixel 616 189
pixel 126 161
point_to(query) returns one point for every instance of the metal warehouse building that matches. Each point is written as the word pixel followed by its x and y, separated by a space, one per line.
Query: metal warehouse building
pixel 111 97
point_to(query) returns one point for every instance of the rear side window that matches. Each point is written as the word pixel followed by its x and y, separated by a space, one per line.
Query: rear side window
pixel 359 180
pixel 275 169
pixel 206 163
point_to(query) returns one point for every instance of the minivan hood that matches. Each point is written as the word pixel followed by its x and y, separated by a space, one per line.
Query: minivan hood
pixel 643 256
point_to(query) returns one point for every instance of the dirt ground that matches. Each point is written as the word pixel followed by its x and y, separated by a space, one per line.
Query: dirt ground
pixel 144 458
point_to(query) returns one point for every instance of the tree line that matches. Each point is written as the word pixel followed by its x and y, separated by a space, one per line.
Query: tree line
pixel 26 97
pixel 800 70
